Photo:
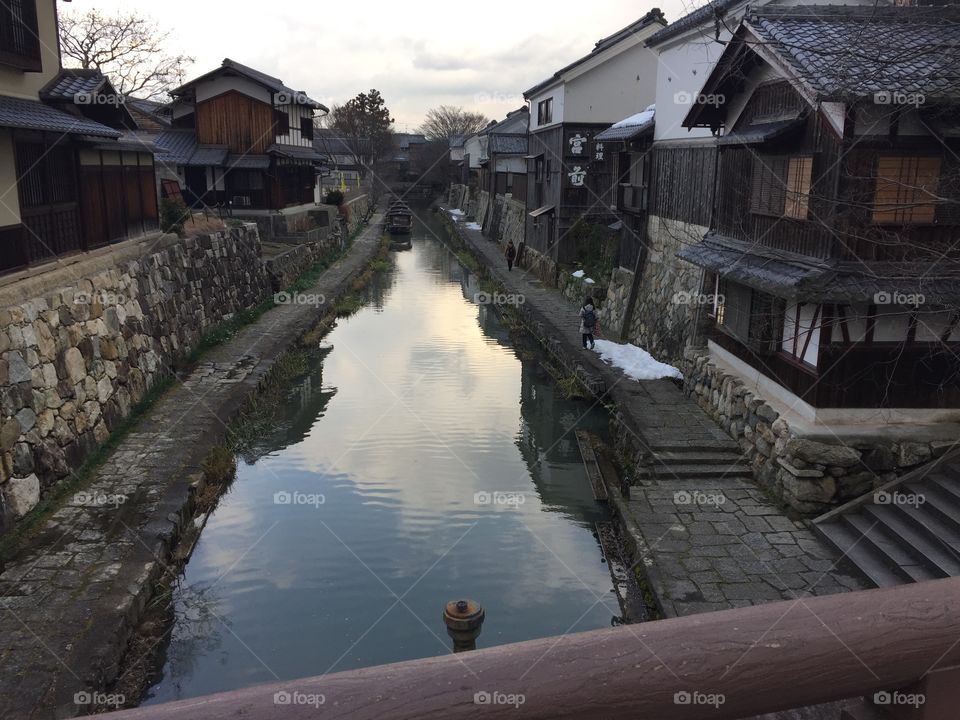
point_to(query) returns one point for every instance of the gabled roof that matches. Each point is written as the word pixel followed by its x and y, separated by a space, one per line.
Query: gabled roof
pixel 516 121
pixel 456 141
pixel 709 13
pixel 34 115
pixel 654 16
pixel 89 90
pixel 285 95
pixel 841 53
pixel 71 82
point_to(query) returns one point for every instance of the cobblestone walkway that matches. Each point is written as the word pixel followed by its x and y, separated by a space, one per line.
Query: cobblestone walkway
pixel 68 602
pixel 708 537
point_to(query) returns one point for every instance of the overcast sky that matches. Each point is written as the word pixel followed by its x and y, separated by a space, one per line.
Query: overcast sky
pixel 419 53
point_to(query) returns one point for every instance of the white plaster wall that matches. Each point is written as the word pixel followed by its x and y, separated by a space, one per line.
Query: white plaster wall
pixel 9 198
pixel 295 137
pixel 556 92
pixel 219 85
pixel 27 84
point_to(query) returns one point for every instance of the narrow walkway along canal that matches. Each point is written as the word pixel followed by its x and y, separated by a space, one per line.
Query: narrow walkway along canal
pixel 375 500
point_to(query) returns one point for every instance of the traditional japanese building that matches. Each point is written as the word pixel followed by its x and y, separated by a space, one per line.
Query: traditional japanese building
pixel 566 180
pixel 74 176
pixel 242 138
pixel 831 259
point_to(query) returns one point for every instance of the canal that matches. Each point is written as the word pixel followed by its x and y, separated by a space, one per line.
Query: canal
pixel 424 456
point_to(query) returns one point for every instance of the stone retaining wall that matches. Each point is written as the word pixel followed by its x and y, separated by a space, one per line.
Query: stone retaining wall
pixel 661 322
pixel 613 310
pixel 809 474
pixel 81 352
pixel 512 223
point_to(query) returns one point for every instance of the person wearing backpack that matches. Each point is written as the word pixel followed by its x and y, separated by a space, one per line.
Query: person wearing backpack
pixel 588 322
pixel 511 254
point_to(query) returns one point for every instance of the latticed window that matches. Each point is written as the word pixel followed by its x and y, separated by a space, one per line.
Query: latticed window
pixel 19 39
pixel 906 190
pixel 781 186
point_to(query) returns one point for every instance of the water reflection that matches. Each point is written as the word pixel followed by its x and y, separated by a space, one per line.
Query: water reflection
pixel 422 409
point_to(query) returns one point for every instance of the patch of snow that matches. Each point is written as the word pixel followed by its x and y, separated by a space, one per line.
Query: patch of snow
pixel 473 226
pixel 588 281
pixel 578 274
pixel 641 118
pixel 455 211
pixel 635 362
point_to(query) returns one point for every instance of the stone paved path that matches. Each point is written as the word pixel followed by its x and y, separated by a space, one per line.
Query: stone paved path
pixel 708 537
pixel 69 601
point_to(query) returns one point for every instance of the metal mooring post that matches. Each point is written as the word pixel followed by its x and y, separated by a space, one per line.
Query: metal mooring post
pixel 463 619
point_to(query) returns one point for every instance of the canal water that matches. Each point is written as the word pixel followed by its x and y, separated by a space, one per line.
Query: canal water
pixel 423 457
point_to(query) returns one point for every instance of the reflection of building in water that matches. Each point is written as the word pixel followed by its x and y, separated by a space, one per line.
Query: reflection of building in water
pixel 469 284
pixel 548 444
pixel 303 405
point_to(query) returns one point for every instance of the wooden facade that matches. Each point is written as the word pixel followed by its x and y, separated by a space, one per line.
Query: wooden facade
pixel 245 125
pixel 816 196
pixel 564 173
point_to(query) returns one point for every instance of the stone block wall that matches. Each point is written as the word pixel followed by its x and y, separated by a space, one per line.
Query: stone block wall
pixel 659 323
pixel 513 221
pixel 89 340
pixel 483 208
pixel 575 289
pixel 356 212
pixel 810 474
pixel 613 310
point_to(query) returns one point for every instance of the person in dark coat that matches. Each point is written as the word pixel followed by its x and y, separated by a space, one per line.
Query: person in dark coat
pixel 588 322
pixel 511 254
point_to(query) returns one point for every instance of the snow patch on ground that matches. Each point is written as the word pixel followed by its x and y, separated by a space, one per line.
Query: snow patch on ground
pixel 578 274
pixel 473 226
pixel 455 211
pixel 588 281
pixel 635 362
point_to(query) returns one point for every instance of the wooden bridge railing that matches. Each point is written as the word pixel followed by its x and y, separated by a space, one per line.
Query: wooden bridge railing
pixel 902 641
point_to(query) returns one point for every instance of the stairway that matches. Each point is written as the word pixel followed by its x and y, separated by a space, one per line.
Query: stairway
pixel 907 531
pixel 687 462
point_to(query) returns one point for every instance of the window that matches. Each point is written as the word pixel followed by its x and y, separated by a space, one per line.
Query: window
pixel 545 112
pixel 306 128
pixel 781 186
pixel 282 120
pixel 19 41
pixel 906 190
pixel 799 171
pixel 801 332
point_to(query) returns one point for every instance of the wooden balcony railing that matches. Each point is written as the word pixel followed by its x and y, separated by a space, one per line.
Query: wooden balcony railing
pixel 723 665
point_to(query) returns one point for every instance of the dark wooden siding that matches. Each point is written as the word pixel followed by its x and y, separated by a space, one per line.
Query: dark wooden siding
pixel 243 124
pixel 683 183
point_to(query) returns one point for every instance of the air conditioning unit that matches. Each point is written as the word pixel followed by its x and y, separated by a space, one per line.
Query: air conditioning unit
pixel 241 200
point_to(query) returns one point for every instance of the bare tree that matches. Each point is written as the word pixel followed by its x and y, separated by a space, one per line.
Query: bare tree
pixel 447 121
pixel 128 48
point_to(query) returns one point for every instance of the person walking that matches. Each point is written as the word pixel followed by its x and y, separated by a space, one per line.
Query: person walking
pixel 588 322
pixel 511 254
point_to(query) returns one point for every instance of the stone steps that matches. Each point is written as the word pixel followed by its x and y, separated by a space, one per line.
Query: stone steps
pixel 907 531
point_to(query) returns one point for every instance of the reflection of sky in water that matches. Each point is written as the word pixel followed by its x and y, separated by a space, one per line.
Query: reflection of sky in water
pixel 421 404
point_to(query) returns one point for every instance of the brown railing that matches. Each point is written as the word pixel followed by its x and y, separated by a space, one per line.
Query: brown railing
pixel 903 641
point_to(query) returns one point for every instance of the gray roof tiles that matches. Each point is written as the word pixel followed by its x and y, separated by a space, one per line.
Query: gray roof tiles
pixel 34 115
pixel 70 83
pixel 508 144
pixel 845 52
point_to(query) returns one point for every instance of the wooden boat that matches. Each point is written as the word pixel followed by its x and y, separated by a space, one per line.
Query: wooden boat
pixel 399 218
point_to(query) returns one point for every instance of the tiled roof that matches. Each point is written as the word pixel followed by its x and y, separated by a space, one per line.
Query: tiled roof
pixel 626 132
pixel 209 155
pixel 845 52
pixel 508 144
pixel 176 146
pixel 180 147
pixel 295 152
pixel 276 85
pixel 69 83
pixel 852 283
pixel 34 115
pixel 701 16
pixel 248 162
pixel 760 132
